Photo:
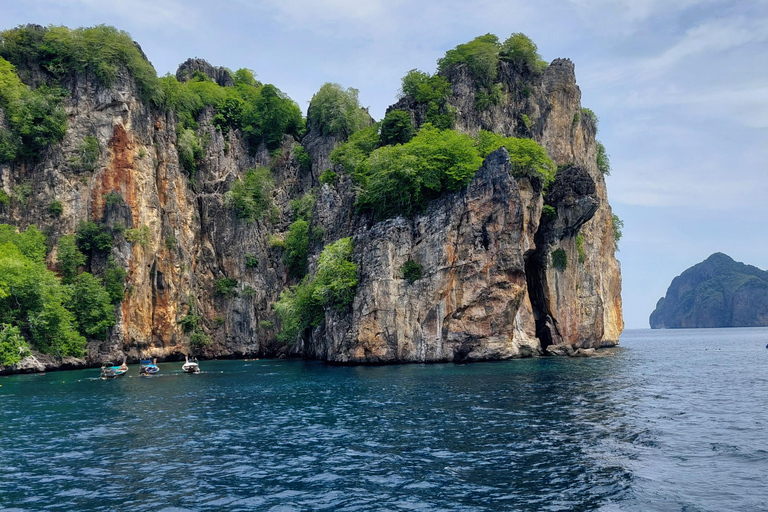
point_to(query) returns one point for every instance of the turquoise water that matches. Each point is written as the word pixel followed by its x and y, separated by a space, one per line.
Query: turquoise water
pixel 670 421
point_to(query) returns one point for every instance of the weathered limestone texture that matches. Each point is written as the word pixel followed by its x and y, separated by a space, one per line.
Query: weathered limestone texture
pixel 489 289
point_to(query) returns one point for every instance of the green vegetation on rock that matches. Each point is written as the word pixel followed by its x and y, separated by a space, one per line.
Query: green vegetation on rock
pixel 249 196
pixel 92 306
pixel 100 51
pixel 580 248
pixel 481 55
pixel 718 292
pixel 35 118
pixel 396 128
pixel 603 162
pixel 55 208
pixel 559 259
pixel 519 48
pixel 412 271
pixel 69 259
pixel 432 92
pixel 617 224
pixel 401 180
pixel 356 150
pixel 262 112
pixel 39 310
pixel 296 247
pixel 527 157
pixel 337 111
pixel 13 346
pixel 226 287
pixel 333 286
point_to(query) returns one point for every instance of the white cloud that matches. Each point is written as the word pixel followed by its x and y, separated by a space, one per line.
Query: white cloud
pixel 636 10
pixel 710 38
pixel 174 13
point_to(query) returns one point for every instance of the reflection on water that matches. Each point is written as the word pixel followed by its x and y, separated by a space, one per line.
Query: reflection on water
pixel 629 431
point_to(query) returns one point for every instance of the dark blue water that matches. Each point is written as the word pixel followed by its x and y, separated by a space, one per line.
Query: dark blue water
pixel 671 421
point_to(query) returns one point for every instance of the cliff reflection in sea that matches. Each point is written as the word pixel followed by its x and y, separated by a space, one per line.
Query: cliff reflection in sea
pixel 661 423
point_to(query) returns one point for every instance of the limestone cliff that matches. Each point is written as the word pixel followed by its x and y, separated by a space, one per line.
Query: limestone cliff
pixel 489 289
pixel 718 292
pixel 581 303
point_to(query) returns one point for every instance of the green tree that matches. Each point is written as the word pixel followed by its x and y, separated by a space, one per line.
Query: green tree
pixel 92 306
pixel 481 56
pixel 69 259
pixel 617 224
pixel 114 281
pixel 13 346
pixel 91 237
pixel 352 154
pixel 396 128
pixel 520 49
pixel 337 111
pixel 303 306
pixel 431 91
pixel 296 247
pixel 31 242
pixel 249 196
pixel 100 51
pixel 401 180
pixel 603 162
pixel 336 278
pixel 35 118
pixel 527 157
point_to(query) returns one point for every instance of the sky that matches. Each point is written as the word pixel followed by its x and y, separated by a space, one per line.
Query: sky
pixel 679 86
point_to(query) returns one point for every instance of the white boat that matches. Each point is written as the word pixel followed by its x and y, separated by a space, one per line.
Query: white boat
pixel 191 366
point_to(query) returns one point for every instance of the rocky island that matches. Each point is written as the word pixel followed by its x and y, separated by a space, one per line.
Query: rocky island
pixel 203 214
pixel 718 292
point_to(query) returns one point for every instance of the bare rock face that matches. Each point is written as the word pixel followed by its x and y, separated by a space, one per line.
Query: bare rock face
pixel 220 75
pixel 580 304
pixel 467 305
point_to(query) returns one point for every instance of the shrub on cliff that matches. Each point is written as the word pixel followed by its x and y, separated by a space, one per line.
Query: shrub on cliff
pixel 33 299
pixel 603 162
pixel 262 112
pixel 114 281
pixel 412 271
pixel 527 157
pixel 520 49
pixel 401 180
pixel 189 151
pixel 13 346
pixel 249 196
pixel 69 259
pixel 337 111
pixel 100 51
pixel 432 92
pixel 617 224
pixel 35 118
pixel 356 150
pixel 481 55
pixel 396 128
pixel 296 247
pixel 92 307
pixel 91 237
pixel 303 306
pixel 559 259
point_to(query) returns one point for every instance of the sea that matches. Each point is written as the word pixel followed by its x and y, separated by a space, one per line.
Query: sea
pixel 671 420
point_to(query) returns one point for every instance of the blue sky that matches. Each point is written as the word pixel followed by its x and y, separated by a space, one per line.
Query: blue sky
pixel 679 86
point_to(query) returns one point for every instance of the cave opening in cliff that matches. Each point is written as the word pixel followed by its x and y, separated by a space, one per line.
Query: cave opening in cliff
pixel 536 279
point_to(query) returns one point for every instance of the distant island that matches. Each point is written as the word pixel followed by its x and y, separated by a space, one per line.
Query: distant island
pixel 718 292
